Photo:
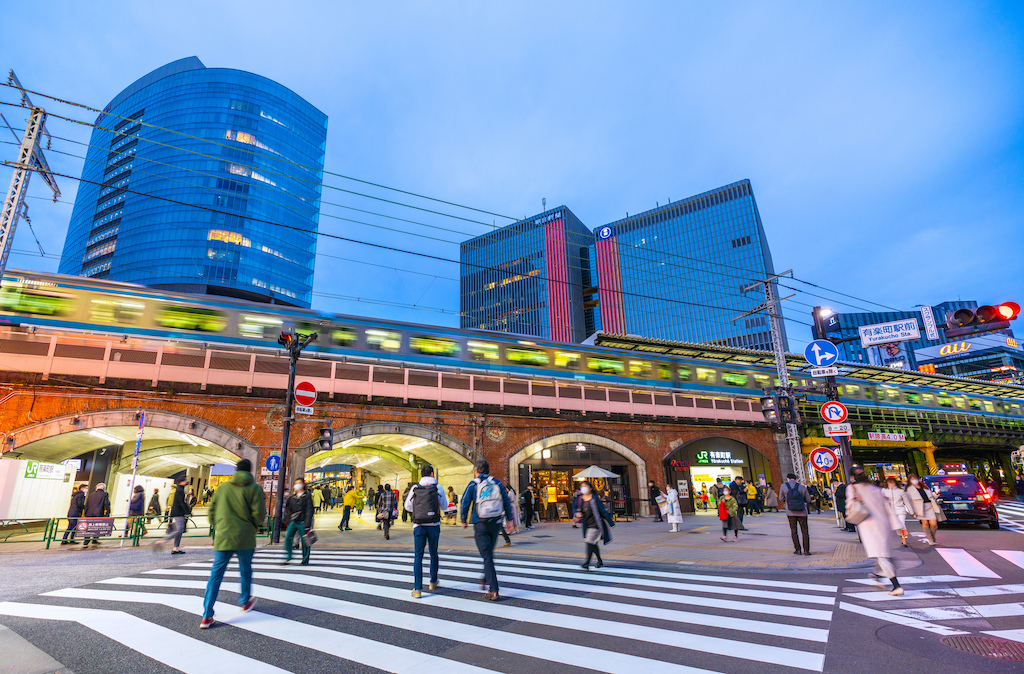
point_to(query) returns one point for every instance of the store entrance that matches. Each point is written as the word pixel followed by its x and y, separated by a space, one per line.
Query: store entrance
pixel 693 468
pixel 550 472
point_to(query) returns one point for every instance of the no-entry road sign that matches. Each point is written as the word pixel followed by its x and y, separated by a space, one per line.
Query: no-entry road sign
pixel 824 459
pixel 305 393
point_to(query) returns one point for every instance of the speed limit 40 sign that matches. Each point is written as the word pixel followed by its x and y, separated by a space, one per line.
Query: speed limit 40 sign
pixel 824 459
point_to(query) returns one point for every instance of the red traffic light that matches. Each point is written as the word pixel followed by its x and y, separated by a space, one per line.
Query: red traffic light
pixel 1008 310
pixel 286 339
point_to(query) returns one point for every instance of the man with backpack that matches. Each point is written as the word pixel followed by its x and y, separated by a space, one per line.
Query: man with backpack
pixel 426 502
pixel 796 499
pixel 490 502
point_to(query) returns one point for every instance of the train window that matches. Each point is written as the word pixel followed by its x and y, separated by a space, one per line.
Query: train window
pixel 945 400
pixel 734 378
pixel 974 405
pixel 605 365
pixel 913 398
pixel 989 407
pixel 525 356
pixel 705 375
pixel 383 340
pixel 869 393
pixel 960 402
pixel 639 368
pixel 892 395
pixel 1016 410
pixel 343 336
pixel 763 380
pixel 928 399
pixel 115 312
pixel 685 373
pixel 850 390
pixel 435 346
pixel 191 318
pixel 35 302
pixel 483 351
pixel 664 372
pixel 567 361
pixel 259 326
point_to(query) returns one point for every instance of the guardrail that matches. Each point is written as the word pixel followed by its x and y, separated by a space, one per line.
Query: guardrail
pixel 131 529
pixel 25 531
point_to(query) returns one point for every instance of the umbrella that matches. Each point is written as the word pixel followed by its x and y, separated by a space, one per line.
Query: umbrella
pixel 593 471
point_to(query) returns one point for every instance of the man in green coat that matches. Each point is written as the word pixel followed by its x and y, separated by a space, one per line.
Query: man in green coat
pixel 237 510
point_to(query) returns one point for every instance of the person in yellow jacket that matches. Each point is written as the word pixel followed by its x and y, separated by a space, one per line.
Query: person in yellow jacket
pixel 753 499
pixel 349 502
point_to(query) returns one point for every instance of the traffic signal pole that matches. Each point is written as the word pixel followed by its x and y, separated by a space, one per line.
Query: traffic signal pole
pixel 295 344
pixel 832 394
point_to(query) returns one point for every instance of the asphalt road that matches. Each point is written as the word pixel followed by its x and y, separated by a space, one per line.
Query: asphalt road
pixel 124 610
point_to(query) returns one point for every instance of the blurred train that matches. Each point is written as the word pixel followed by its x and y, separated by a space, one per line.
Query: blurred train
pixel 111 308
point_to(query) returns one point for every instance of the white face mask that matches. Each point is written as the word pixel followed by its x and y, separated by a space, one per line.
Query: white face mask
pixel 915 482
pixel 298 488
pixel 584 489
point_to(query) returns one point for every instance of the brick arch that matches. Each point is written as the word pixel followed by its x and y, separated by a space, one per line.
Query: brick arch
pixel 413 430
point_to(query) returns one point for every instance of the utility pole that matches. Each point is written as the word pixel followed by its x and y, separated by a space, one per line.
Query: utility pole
pixel 30 158
pixel 779 347
pixel 832 395
pixel 295 343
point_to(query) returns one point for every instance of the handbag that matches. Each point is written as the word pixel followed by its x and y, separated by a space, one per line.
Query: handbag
pixel 855 510
pixel 311 537
pixel 940 515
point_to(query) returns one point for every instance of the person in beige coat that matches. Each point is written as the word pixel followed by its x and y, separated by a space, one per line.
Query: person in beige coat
pixel 925 508
pixel 875 531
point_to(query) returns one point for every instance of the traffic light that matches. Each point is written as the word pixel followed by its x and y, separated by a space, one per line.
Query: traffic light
pixel 769 408
pixel 987 318
pixel 326 441
pixel 788 411
pixel 286 339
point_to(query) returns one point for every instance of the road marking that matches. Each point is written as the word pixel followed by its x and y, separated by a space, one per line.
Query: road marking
pixel 154 641
pixel 1012 635
pixel 697 642
pixel 1013 556
pixel 989 590
pixel 941 630
pixel 375 653
pixel 939 613
pixel 965 564
pixel 683 587
pixel 916 580
pixel 908 595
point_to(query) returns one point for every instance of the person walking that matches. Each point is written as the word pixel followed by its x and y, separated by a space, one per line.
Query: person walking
pixel 797 499
pixel 348 502
pixel 97 504
pixel 652 494
pixel 516 513
pixel 815 495
pixel 739 492
pixel 236 512
pixel 425 502
pixel 387 505
pixel 298 513
pixel 673 514
pixel 596 521
pixel 75 510
pixel 489 501
pixel 899 503
pixel 360 501
pixel 317 498
pixel 154 506
pixel 179 511
pixel 728 514
pixel 137 505
pixel 529 501
pixel 876 530
pixel 925 507
pixel 840 498
pixel 405 495
pixel 703 497
pixel 771 499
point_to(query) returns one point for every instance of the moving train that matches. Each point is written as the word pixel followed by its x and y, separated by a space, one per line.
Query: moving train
pixel 112 308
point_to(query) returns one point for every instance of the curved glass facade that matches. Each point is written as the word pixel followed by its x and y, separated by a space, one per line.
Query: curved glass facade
pixel 202 180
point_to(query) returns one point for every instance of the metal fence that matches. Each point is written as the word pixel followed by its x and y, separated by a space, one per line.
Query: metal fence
pixel 132 530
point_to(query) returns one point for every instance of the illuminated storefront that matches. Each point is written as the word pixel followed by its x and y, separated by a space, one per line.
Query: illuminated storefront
pixel 699 463
pixel 555 467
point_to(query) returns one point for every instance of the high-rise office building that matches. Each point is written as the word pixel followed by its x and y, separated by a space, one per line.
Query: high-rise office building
pixel 528 278
pixel 202 180
pixel 678 272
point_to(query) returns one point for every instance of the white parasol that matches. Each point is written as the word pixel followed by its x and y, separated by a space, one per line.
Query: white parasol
pixel 593 471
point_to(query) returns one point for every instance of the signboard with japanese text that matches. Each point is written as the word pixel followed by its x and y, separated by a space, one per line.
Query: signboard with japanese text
pixel 718 458
pixel 928 318
pixel 888 437
pixel 44 471
pixel 905 330
pixel 95 526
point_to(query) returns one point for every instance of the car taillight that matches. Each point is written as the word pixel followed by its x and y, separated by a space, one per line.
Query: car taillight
pixel 983 497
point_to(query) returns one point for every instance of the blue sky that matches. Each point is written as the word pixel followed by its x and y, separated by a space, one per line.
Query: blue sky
pixel 884 141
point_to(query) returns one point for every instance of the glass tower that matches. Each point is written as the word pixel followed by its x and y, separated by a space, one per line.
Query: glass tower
pixel 678 272
pixel 528 278
pixel 202 180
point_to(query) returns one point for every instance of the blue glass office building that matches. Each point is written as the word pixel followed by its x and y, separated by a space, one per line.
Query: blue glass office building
pixel 677 272
pixel 528 278
pixel 202 180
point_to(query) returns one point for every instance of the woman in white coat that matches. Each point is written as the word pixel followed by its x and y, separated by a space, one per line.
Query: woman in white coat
pixel 674 515
pixel 924 507
pixel 900 504
pixel 875 531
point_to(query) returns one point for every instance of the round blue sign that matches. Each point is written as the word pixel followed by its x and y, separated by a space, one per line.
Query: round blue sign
pixel 604 233
pixel 821 353
pixel 273 463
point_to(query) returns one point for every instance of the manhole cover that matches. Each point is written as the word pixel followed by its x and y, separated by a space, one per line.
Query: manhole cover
pixel 988 648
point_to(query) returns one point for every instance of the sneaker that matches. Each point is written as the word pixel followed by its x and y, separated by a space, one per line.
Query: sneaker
pixel 249 605
pixel 725 539
pixel 206 623
pixel 433 586
pixel 896 592
pixel 507 543
pixel 416 594
pixel 735 538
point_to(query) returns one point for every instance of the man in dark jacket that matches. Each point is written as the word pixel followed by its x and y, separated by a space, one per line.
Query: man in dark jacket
pixel 75 510
pixel 739 492
pixel 298 513
pixel 529 505
pixel 405 496
pixel 97 505
pixel 236 512
pixel 653 493
pixel 179 512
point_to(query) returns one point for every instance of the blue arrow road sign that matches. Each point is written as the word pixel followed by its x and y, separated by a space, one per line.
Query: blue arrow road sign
pixel 273 463
pixel 821 352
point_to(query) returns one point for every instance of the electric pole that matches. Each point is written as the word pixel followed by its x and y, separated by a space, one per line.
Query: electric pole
pixel 295 343
pixel 30 158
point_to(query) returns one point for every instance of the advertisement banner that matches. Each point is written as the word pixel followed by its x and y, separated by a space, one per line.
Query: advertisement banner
pixel 928 318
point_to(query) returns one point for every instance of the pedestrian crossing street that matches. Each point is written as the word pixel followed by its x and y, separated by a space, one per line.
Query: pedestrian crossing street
pixel 350 607
pixel 979 596
pixel 1011 515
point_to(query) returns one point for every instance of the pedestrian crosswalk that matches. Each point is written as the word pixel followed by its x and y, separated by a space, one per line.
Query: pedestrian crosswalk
pixel 1011 515
pixel 983 595
pixel 355 607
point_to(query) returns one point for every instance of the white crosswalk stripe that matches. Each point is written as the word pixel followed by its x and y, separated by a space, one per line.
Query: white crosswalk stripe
pixel 964 563
pixel 618 620
pixel 1013 509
